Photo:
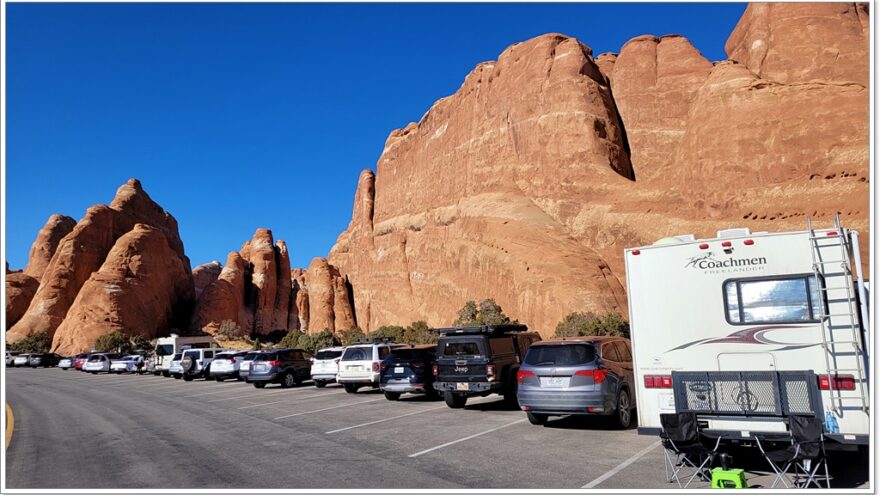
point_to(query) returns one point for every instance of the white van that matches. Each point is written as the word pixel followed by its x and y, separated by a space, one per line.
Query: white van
pixel 747 328
pixel 167 347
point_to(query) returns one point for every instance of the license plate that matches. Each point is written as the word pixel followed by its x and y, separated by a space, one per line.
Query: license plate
pixel 260 367
pixel 554 381
pixel 398 369
pixel 462 386
pixel 355 368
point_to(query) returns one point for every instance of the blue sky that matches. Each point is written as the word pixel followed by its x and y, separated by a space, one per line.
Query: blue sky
pixel 241 116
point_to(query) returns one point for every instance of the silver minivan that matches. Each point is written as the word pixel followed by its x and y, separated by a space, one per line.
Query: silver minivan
pixel 577 375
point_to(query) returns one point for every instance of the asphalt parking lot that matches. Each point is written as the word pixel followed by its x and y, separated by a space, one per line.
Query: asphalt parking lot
pixel 77 430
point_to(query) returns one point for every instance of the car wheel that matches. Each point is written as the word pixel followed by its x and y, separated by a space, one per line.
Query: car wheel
pixel 94 372
pixel 187 378
pixel 392 395
pixel 623 414
pixel 260 384
pixel 453 400
pixel 177 377
pixel 288 380
pixel 537 419
pixel 350 387
pixel 220 378
pixel 320 384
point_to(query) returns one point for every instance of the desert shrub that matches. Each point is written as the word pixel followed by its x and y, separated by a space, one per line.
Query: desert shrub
pixel 348 337
pixel 590 324
pixel 35 342
pixel 229 330
pixel 392 332
pixel 418 332
pixel 292 339
pixel 114 342
pixel 488 312
pixel 322 339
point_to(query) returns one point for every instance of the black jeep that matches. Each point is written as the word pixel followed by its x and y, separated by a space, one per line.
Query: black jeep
pixel 478 361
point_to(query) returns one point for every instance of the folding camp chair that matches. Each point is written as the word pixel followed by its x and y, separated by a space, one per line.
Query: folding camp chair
pixel 802 457
pixel 683 448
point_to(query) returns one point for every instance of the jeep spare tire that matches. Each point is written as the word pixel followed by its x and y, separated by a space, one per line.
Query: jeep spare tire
pixel 188 364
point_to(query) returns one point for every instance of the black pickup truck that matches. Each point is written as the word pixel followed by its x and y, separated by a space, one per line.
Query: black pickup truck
pixel 478 361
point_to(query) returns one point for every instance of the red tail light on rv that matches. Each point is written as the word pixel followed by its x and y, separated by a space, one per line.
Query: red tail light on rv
pixel 837 382
pixel 658 381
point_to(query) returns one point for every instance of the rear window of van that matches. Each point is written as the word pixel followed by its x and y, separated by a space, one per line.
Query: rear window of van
pixel 560 355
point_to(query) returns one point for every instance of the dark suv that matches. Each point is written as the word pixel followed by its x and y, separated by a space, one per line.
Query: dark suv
pixel 289 367
pixel 478 361
pixel 408 369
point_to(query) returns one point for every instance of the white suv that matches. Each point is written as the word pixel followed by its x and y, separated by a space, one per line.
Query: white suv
pixel 99 363
pixel 325 365
pixel 197 363
pixel 359 365
pixel 226 364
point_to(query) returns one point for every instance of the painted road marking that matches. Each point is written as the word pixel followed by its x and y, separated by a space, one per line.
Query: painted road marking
pixel 307 397
pixel 10 424
pixel 328 408
pixel 447 444
pixel 621 466
pixel 383 420
pixel 253 395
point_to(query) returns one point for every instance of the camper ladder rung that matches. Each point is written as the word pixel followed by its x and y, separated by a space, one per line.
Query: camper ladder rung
pixel 830 262
pixel 834 315
pixel 845 369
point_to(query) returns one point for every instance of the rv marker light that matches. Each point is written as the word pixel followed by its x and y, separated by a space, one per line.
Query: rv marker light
pixel 636 252
pixel 725 244
pixel 748 242
pixel 704 246
pixel 832 233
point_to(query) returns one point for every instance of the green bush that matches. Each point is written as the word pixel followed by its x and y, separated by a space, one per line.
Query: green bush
pixel 229 330
pixel 488 312
pixel 418 332
pixel 590 324
pixel 113 342
pixel 392 332
pixel 322 339
pixel 292 339
pixel 35 342
pixel 309 342
pixel 348 337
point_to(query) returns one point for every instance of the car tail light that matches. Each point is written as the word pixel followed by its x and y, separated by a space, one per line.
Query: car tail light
pixel 382 365
pixel 598 375
pixel 375 366
pixel 490 372
pixel 523 374
pixel 435 370
pixel 837 382
pixel 232 361
pixel 274 363
pixel 658 381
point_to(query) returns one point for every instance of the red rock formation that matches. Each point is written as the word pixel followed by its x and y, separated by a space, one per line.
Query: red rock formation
pixel 205 274
pixel 224 298
pixel 605 63
pixel 800 42
pixel 46 243
pixel 20 289
pixel 299 301
pixel 260 253
pixel 282 294
pixel 328 299
pixel 82 252
pixel 136 291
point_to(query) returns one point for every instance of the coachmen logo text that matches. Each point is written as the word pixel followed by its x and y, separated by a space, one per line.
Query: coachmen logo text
pixel 709 264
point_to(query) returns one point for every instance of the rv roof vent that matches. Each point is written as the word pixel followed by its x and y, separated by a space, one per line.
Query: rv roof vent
pixel 739 232
pixel 676 239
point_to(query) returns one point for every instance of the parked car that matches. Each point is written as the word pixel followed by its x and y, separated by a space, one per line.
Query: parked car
pixel 479 361
pixel 79 360
pixel 98 363
pixel 226 364
pixel 196 363
pixel 44 359
pixel 408 370
pixel 127 364
pixel 174 369
pixel 10 357
pixel 66 363
pixel 289 367
pixel 325 366
pixel 579 375
pixel 360 365
pixel 20 360
pixel 244 367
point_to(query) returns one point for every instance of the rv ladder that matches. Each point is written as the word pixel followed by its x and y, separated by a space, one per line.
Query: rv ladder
pixel 837 246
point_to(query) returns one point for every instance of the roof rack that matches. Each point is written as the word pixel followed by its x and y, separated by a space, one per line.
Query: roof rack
pixel 373 340
pixel 504 328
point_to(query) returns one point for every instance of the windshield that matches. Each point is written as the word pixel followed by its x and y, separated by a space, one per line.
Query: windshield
pixel 177 357
pixel 560 355
pixel 95 359
pixel 268 356
pixel 411 353
pixel 328 354
pixel 461 348
pixel 164 350
pixel 250 357
pixel 358 354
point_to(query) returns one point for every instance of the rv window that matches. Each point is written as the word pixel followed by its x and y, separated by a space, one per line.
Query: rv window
pixel 772 301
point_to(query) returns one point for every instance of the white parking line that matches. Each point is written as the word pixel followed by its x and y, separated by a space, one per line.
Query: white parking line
pixel 384 420
pixel 621 466
pixel 475 435
pixel 307 397
pixel 328 408
pixel 257 394
pixel 214 392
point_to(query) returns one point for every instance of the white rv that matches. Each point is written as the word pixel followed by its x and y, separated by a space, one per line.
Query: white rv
pixel 748 328
pixel 167 347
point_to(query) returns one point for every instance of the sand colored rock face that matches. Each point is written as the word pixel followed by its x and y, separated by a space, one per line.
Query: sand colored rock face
pixel 205 274
pixel 82 252
pixel 519 187
pixel 328 304
pixel 223 299
pixel 261 254
pixel 46 243
pixel 136 291
pixel 20 289
pixel 800 42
